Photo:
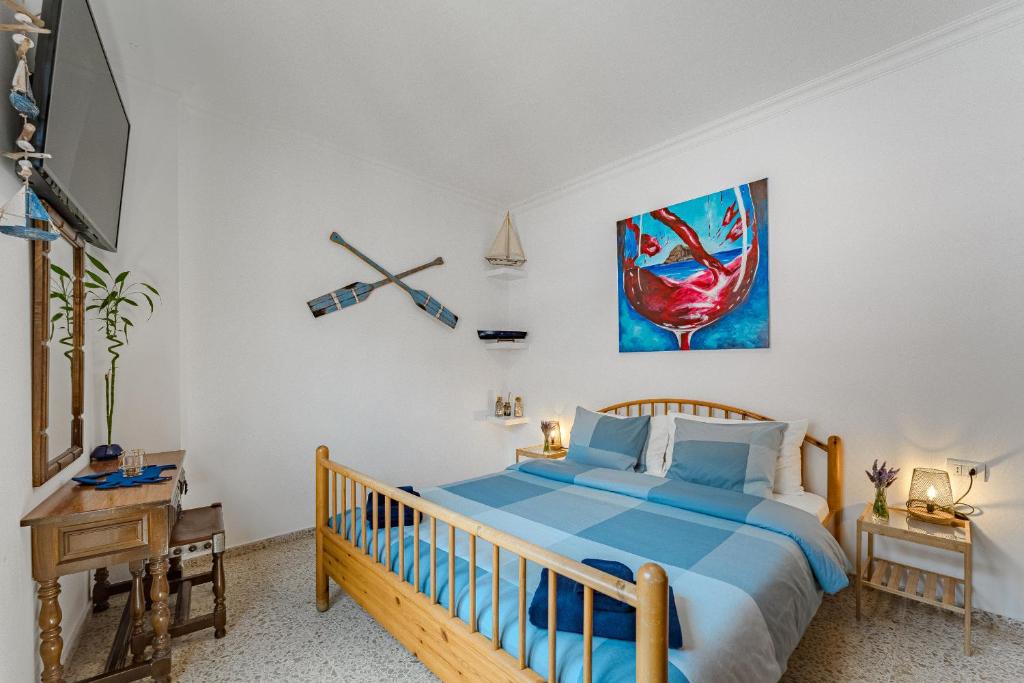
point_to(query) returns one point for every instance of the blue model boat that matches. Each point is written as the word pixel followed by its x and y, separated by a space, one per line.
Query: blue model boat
pixel 21 92
pixel 18 214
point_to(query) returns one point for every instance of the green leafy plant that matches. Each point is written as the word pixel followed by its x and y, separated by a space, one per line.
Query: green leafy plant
pixel 112 298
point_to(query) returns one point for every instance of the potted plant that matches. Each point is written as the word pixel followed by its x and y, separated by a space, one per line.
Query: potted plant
pixel 112 298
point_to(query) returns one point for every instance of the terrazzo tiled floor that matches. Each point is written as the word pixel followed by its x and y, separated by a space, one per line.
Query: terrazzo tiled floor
pixel 276 634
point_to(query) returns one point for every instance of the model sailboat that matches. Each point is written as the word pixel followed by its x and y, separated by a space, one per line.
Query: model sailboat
pixel 21 92
pixel 17 217
pixel 507 250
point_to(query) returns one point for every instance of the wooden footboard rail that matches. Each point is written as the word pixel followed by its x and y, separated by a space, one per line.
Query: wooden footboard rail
pixel 457 650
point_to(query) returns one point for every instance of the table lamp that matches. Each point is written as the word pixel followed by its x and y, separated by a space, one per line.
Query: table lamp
pixel 931 496
pixel 552 435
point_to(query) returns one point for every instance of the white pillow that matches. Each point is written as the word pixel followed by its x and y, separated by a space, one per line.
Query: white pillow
pixel 788 468
pixel 657 445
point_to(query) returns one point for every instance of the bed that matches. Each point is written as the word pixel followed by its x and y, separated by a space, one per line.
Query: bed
pixel 452 577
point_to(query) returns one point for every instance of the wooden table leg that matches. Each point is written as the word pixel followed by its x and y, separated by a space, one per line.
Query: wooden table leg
pixel 50 642
pixel 858 569
pixel 967 601
pixel 101 590
pixel 161 617
pixel 137 599
pixel 220 610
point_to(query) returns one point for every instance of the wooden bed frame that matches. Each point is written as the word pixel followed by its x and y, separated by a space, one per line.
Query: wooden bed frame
pixel 454 649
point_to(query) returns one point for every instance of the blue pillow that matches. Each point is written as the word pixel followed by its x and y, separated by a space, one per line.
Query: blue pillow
pixel 737 457
pixel 601 440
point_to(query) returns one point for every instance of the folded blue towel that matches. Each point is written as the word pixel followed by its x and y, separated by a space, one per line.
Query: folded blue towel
pixel 381 520
pixel 616 569
pixel 607 624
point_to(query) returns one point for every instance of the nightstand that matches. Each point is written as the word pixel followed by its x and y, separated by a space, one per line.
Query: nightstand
pixel 946 592
pixel 539 452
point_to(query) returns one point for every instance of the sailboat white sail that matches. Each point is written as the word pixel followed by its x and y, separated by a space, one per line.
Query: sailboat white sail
pixel 18 214
pixel 506 250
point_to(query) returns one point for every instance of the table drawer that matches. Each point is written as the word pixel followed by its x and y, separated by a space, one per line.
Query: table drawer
pixel 101 538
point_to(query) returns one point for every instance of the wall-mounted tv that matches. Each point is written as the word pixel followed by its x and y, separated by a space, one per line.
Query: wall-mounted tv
pixel 82 124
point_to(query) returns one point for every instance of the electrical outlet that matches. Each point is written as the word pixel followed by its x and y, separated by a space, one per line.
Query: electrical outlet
pixel 962 468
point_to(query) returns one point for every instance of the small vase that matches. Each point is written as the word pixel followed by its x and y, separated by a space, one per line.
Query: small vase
pixel 880 510
pixel 106 452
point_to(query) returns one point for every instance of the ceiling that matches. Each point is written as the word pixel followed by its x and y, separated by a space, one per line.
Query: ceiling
pixel 500 98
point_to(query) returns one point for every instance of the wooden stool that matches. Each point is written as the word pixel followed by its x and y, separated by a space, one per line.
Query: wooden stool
pixel 198 529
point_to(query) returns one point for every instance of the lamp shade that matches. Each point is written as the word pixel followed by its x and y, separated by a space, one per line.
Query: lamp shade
pixel 930 490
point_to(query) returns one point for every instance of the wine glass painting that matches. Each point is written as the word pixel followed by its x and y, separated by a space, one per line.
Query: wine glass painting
pixel 694 275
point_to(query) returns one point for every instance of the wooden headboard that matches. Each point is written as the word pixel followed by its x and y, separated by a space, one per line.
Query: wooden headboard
pixel 832 447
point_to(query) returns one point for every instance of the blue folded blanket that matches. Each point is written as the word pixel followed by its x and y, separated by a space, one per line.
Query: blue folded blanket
pixel 617 624
pixel 607 602
pixel 381 520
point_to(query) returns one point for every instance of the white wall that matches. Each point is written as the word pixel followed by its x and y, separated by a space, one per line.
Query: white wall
pixel 895 282
pixel 392 392
pixel 148 401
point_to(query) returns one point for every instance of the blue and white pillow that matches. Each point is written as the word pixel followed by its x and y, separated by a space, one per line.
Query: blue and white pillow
pixel 737 457
pixel 603 440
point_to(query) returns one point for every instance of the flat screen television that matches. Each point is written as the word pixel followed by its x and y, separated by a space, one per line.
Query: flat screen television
pixel 82 124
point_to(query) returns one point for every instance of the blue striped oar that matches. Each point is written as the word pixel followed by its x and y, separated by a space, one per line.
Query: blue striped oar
pixel 429 304
pixel 356 292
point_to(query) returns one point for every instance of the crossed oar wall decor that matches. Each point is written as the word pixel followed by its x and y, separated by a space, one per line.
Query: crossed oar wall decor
pixel 357 292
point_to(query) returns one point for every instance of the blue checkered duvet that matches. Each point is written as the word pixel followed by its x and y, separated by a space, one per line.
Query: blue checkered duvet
pixel 747 572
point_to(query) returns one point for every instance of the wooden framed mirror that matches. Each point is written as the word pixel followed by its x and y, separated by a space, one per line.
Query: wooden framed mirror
pixel 58 340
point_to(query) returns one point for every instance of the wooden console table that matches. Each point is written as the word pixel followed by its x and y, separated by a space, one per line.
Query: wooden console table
pixel 80 528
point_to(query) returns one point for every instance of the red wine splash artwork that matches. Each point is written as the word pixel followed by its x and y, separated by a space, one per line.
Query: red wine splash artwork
pixel 694 275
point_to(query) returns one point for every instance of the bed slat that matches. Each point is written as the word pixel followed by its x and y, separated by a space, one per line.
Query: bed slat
pixel 374 539
pixel 522 612
pixel 401 540
pixel 387 532
pixel 416 550
pixel 433 560
pixel 552 624
pixel 341 526
pixel 332 497
pixel 451 570
pixel 495 581
pixel 472 583
pixel 588 633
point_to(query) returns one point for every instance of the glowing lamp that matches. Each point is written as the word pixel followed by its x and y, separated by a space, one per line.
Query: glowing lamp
pixel 931 496
pixel 552 435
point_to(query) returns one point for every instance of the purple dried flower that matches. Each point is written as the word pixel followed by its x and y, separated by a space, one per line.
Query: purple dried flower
pixel 882 477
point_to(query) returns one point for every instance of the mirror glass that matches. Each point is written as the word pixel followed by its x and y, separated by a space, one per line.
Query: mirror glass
pixel 61 346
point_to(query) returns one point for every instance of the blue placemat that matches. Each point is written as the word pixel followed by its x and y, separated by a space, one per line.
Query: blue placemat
pixel 114 480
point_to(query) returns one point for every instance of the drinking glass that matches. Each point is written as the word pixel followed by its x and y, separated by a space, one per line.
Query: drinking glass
pixel 132 462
